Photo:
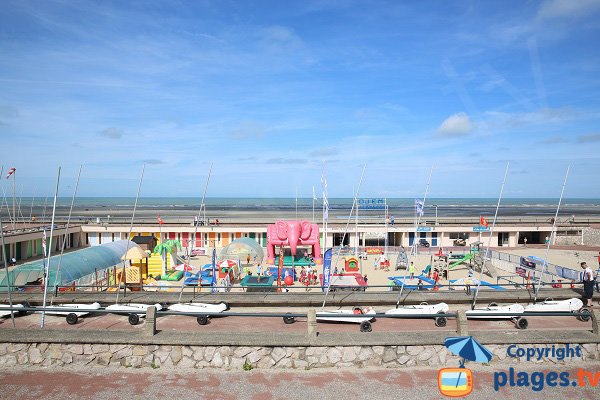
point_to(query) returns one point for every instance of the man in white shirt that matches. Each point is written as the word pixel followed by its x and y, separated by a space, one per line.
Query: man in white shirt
pixel 588 283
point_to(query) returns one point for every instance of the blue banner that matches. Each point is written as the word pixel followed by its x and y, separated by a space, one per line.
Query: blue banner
pixel 327 270
pixel 214 270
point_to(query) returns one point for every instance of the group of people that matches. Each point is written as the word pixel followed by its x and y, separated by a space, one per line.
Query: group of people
pixel 308 277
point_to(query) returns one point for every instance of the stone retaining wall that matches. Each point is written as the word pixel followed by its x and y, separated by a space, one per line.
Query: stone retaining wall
pixel 234 357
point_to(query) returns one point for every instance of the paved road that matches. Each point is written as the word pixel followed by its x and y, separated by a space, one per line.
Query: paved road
pixel 416 383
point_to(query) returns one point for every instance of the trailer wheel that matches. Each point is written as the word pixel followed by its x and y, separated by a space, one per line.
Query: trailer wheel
pixel 72 318
pixel 587 315
pixel 441 322
pixel 24 312
pixel 288 320
pixel 365 326
pixel 133 319
pixel 522 323
pixel 202 319
pixel 493 305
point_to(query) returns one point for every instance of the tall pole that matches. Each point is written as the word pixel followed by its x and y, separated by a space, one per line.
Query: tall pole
pixel 47 267
pixel 137 196
pixel 202 208
pixel 5 259
pixel 490 236
pixel 552 235
pixel 314 198
pixel 354 204
pixel 413 249
pixel 64 242
pixel 14 198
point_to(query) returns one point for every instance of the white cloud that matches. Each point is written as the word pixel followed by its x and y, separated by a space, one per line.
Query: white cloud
pixel 559 9
pixel 456 125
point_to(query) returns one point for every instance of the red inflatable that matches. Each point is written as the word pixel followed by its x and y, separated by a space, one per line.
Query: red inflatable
pixel 288 280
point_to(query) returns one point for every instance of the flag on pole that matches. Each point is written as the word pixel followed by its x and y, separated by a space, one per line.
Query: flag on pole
pixel 160 220
pixel 419 207
pixel 325 201
pixel 483 221
pixel 44 242
pixel 10 172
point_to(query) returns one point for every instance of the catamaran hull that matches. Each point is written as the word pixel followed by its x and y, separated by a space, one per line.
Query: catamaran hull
pixel 492 311
pixel 198 307
pixel 433 309
pixel 56 310
pixel 342 315
pixel 16 310
pixel 440 308
pixel 570 305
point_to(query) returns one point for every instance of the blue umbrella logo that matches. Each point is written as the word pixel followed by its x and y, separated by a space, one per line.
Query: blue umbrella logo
pixel 468 348
pixel 458 382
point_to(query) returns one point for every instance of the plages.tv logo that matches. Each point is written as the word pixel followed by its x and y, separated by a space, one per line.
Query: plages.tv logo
pixel 458 382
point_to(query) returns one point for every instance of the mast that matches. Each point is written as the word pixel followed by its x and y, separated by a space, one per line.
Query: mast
pixel 47 266
pixel 487 250
pixel 354 204
pixel 137 196
pixel 552 235
pixel 64 242
pixel 196 228
pixel 413 249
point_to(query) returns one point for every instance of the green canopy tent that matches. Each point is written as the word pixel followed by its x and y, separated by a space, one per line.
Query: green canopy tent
pixel 74 266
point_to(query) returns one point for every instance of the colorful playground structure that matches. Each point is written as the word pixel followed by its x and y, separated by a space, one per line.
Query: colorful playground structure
pixel 292 234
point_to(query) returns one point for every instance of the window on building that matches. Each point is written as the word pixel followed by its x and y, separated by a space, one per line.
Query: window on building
pixel 459 235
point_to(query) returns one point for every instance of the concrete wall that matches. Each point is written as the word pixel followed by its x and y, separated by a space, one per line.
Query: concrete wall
pixel 234 357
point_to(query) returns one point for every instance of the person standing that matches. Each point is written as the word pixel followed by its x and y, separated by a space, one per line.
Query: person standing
pixel 411 270
pixel 525 241
pixel 588 283
pixel 258 271
pixel 597 272
pixel 248 259
pixel 392 220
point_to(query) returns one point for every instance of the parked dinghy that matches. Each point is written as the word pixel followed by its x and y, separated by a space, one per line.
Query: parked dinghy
pixel 345 316
pixel 199 307
pixel 494 311
pixel 72 316
pixel 135 310
pixel 17 309
pixel 423 308
pixel 571 305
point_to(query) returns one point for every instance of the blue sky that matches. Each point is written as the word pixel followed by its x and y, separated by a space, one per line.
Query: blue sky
pixel 273 92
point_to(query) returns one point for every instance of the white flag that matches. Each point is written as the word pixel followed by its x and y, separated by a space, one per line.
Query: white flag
pixel 44 242
pixel 325 208
pixel 419 207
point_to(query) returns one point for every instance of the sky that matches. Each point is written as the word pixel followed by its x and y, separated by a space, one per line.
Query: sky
pixel 275 94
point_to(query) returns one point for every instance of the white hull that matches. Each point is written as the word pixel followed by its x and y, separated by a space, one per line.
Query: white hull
pixel 341 316
pixel 491 312
pixel 5 313
pixel 419 309
pixel 570 305
pixel 55 310
pixel 132 307
pixel 198 307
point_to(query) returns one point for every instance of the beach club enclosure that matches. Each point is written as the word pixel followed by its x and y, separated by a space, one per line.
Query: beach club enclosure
pixel 23 244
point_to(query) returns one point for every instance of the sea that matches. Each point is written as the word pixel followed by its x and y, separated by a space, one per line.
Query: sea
pixel 443 207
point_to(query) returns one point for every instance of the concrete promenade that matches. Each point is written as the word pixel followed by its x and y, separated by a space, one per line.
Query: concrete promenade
pixel 300 298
